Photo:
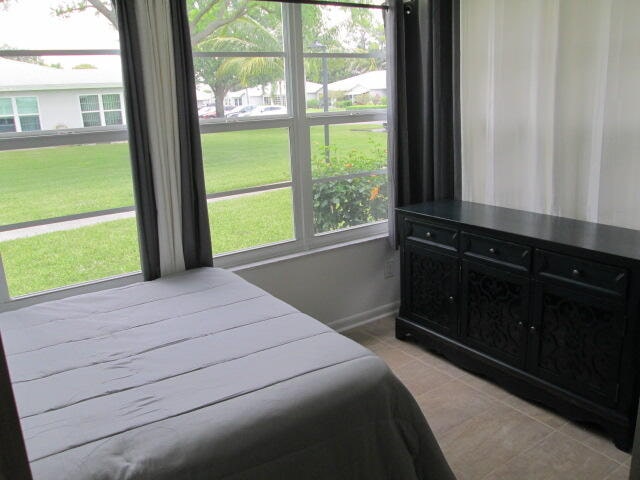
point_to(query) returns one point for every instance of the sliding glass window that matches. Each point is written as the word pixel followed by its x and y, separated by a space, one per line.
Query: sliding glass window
pixel 66 201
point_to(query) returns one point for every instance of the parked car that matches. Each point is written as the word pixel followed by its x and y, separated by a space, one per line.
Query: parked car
pixel 241 110
pixel 207 112
pixel 265 110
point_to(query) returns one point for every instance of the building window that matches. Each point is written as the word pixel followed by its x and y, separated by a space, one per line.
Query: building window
pixel 19 114
pixel 100 110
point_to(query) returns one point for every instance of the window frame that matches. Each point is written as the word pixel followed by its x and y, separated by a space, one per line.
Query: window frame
pixel 101 110
pixel 297 121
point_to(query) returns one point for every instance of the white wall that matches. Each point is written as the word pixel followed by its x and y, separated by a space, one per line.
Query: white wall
pixel 339 285
pixel 60 108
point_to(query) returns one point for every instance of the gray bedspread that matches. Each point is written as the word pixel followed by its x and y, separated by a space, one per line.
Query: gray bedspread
pixel 202 375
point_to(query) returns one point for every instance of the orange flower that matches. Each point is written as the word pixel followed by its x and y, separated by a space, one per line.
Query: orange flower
pixel 375 191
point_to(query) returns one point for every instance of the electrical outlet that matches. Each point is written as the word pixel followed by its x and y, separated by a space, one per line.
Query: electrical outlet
pixel 389 270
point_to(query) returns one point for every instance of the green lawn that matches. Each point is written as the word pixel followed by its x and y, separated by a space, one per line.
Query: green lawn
pixel 63 258
pixel 52 182
pixel 58 181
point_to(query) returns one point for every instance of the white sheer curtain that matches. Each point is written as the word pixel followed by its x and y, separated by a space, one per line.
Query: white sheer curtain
pixel 550 106
pixel 154 29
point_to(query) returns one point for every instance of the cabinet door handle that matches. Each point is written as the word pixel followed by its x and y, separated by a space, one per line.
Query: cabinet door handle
pixel 428 234
pixel 520 324
pixel 451 299
pixel 492 251
pixel 575 272
pixel 532 328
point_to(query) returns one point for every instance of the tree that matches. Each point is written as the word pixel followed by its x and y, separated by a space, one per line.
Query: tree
pixel 244 26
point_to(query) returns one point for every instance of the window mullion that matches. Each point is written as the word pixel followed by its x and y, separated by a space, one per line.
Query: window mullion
pixel 300 135
pixel 16 117
pixel 101 111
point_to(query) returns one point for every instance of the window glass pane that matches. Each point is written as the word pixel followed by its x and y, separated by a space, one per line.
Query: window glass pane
pixel 111 102
pixel 27 105
pixel 348 148
pixel 254 27
pixel 91 119
pixel 89 103
pixel 234 161
pixel 5 106
pixel 237 86
pixel 30 123
pixel 342 29
pixel 49 260
pixel 42 183
pixel 251 220
pixel 49 24
pixel 349 165
pixel 248 158
pixel 350 202
pixel 351 84
pixel 7 124
pixel 113 118
pixel 251 84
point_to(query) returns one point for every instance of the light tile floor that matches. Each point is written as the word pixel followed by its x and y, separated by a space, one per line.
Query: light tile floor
pixel 484 431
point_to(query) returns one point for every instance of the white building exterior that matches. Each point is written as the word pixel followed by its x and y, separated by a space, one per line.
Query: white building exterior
pixel 58 94
pixel 372 83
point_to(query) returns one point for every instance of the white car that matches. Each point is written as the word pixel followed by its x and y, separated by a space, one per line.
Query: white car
pixel 265 110
pixel 241 111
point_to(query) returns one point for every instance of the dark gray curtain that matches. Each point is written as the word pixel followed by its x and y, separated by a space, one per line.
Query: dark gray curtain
pixel 196 237
pixel 13 455
pixel 424 142
pixel 146 213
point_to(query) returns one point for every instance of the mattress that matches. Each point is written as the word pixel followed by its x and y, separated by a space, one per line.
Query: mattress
pixel 204 375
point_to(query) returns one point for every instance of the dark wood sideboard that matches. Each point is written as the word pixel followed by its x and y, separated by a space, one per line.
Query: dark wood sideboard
pixel 547 307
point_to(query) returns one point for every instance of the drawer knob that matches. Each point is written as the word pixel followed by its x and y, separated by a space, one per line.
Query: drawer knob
pixel 520 324
pixel 428 234
pixel 492 251
pixel 575 272
pixel 532 328
pixel 451 299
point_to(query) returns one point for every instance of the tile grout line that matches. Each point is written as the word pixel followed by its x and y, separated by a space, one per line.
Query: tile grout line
pixel 504 403
pixel 391 343
pixel 528 449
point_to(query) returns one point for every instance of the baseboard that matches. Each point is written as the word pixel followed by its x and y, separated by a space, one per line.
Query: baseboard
pixel 362 318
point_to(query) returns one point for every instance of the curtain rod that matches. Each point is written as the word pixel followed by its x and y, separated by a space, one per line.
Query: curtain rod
pixel 332 4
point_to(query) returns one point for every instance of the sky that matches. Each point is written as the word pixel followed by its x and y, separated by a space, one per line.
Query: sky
pixel 32 24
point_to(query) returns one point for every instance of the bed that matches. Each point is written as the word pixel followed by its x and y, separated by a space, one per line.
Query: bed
pixel 204 375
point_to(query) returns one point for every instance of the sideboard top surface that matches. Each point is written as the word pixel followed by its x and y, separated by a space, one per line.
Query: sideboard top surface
pixel 607 239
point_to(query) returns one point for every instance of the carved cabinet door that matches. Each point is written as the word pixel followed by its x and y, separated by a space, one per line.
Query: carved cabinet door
pixel 430 288
pixel 495 312
pixel 577 341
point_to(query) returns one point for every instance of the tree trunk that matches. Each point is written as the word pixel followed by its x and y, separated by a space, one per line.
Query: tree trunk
pixel 219 93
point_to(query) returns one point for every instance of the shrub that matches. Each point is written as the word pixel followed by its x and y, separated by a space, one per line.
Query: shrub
pixel 344 103
pixel 344 203
pixel 313 103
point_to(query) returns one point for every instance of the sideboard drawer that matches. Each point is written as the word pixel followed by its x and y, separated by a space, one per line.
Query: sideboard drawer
pixel 574 270
pixel 507 253
pixel 435 235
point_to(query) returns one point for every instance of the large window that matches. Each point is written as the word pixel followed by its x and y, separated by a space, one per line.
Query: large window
pixel 292 106
pixel 66 201
pixel 294 130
